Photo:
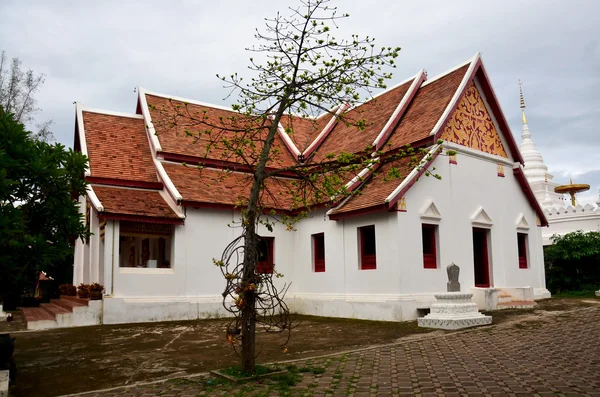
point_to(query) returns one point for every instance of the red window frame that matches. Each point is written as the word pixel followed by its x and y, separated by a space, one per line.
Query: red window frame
pixel 264 264
pixel 429 237
pixel 318 246
pixel 368 248
pixel 522 250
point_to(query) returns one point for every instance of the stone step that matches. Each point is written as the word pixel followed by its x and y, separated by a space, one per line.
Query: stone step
pixel 54 309
pixel 504 298
pixel 517 305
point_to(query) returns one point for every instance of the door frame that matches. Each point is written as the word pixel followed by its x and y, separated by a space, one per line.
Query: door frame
pixel 487 267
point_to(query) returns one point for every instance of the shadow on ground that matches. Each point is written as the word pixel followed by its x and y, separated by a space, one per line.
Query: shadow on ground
pixel 56 362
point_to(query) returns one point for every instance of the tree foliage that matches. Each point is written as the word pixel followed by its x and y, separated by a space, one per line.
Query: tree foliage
pixel 39 217
pixel 17 94
pixel 298 71
pixel 573 262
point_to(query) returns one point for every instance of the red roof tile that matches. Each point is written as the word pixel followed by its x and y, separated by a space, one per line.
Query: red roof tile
pixel 136 202
pixel 379 186
pixel 118 147
pixel 426 108
pixel 172 118
pixel 376 113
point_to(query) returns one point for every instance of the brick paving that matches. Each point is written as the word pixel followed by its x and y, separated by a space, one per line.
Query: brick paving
pixel 553 355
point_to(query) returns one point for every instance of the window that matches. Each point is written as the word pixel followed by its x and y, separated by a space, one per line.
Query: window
pixel 522 246
pixel 145 245
pixel 368 257
pixel 318 248
pixel 429 233
pixel 265 255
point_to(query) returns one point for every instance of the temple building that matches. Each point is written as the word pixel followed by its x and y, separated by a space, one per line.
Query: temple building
pixel 158 219
pixel 563 212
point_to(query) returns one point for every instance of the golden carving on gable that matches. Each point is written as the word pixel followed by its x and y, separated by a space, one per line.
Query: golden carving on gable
pixel 472 126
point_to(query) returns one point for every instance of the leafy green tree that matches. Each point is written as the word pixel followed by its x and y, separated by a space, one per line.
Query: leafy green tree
pixel 39 216
pixel 299 68
pixel 573 262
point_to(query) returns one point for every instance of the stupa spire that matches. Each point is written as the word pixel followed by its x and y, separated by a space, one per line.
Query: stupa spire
pixel 523 118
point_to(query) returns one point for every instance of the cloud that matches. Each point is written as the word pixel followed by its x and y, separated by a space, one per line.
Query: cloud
pixel 97 52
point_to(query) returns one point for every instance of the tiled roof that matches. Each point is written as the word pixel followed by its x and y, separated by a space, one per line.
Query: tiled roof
pixel 212 186
pixel 376 113
pixel 135 202
pixel 379 186
pixel 118 147
pixel 171 119
pixel 304 130
pixel 426 109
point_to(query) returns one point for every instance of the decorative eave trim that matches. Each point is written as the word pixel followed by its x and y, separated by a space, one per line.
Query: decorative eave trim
pixel 467 151
pixel 470 73
pixel 526 188
pixel 363 175
pixel 412 177
pixel 447 72
pixel 175 208
pixel 81 133
pixel 326 131
pixel 394 119
pixel 124 182
pixel 360 211
pixel 171 189
pixel 155 143
pixel 287 141
pixel 140 218
pixel 94 200
pixel 233 207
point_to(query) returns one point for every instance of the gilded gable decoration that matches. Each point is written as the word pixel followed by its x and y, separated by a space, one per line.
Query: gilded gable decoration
pixel 501 170
pixel 472 126
pixel 402 205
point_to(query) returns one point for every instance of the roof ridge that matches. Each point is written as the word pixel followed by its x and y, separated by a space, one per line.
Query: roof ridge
pixel 109 112
pixel 471 60
pixel 182 99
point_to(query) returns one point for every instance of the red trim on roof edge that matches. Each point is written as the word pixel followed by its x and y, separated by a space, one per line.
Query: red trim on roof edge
pixel 520 175
pixel 312 147
pixel 360 211
pixel 125 182
pixel 217 164
pixel 398 117
pixel 140 218
pixel 492 101
pixel 402 192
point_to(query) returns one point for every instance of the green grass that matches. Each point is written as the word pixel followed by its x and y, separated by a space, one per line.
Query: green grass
pixel 237 372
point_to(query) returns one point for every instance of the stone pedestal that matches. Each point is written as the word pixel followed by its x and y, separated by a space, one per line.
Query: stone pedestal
pixel 598 293
pixel 454 310
pixel 2 314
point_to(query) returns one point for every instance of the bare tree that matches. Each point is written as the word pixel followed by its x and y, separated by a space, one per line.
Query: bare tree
pixel 304 71
pixel 17 94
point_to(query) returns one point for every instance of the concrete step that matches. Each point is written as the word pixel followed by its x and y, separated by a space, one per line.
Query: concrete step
pixel 517 305
pixel 54 309
pixel 81 301
pixel 38 318
pixel 504 298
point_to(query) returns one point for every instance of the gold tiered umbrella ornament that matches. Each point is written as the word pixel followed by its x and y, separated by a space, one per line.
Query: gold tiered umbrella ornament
pixel 572 189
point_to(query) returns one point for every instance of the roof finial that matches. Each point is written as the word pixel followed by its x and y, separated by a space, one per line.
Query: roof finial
pixel 523 118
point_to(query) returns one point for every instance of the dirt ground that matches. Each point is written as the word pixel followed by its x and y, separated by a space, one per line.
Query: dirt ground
pixel 57 362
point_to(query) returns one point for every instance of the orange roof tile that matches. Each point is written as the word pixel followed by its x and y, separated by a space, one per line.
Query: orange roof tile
pixel 136 202
pixel 379 186
pixel 118 147
pixel 376 113
pixel 426 108
pixel 171 119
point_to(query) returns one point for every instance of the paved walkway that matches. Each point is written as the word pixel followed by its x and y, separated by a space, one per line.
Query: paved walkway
pixel 553 355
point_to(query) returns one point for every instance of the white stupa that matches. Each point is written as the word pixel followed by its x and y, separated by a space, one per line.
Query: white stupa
pixel 563 215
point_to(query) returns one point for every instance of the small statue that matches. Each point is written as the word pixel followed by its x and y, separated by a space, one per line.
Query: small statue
pixel 453 271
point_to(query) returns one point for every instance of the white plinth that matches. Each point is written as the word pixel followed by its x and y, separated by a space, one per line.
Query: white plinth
pixel 4 383
pixel 598 293
pixel 2 314
pixel 454 310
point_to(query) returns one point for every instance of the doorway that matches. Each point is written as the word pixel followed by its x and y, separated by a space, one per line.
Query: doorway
pixel 481 257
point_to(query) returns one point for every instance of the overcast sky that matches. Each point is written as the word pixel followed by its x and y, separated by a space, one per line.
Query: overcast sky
pixel 97 52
